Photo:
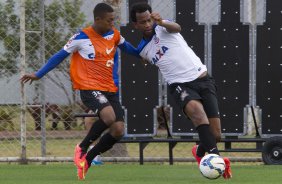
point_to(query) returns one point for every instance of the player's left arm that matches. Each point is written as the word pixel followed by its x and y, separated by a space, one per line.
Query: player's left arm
pixel 171 27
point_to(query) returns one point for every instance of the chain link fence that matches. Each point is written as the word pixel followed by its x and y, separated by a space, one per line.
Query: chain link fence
pixel 51 129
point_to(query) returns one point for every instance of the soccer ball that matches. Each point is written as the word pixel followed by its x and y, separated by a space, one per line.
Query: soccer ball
pixel 212 166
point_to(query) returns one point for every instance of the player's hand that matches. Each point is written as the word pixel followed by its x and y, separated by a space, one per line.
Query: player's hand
pixel 28 77
pixel 157 18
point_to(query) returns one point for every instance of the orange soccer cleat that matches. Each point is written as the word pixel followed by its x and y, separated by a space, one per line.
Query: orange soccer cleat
pixel 82 168
pixel 194 152
pixel 227 173
pixel 78 154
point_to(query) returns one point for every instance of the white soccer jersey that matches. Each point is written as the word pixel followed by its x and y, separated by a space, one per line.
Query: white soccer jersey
pixel 174 58
pixel 80 42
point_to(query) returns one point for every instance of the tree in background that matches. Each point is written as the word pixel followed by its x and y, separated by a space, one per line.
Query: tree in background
pixel 62 18
pixel 9 38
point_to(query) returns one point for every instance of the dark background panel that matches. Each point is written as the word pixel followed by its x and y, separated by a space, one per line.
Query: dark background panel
pixel 193 33
pixel 269 68
pixel 139 89
pixel 230 66
pixel 181 124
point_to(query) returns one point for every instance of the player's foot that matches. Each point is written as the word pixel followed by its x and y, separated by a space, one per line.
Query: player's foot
pixel 82 168
pixel 194 152
pixel 97 161
pixel 78 155
pixel 227 173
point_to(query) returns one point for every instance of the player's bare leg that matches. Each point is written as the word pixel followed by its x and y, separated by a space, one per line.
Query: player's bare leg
pixel 195 111
pixel 207 133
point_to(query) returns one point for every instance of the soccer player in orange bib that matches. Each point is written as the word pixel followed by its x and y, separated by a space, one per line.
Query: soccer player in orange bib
pixel 92 72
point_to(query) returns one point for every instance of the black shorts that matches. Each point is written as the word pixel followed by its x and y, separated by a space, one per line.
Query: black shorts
pixel 203 89
pixel 97 100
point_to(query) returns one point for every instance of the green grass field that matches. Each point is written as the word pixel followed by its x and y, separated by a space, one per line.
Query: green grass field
pixel 134 174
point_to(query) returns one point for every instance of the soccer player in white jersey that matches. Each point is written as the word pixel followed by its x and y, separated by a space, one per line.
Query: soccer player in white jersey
pixel 190 85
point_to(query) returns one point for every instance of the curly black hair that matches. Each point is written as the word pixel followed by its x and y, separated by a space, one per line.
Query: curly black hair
pixel 139 8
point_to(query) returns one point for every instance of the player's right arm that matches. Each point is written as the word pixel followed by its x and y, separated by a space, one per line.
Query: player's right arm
pixel 127 47
pixel 171 27
pixel 54 61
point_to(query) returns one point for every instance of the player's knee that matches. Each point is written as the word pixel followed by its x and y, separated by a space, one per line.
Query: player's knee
pixel 108 115
pixel 108 118
pixel 198 117
pixel 196 113
pixel 117 130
